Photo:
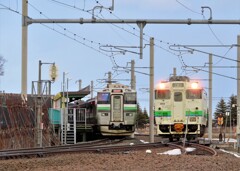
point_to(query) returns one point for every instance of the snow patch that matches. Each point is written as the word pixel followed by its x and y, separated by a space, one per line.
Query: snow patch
pixel 190 149
pixel 148 151
pixel 144 142
pixel 229 152
pixel 172 152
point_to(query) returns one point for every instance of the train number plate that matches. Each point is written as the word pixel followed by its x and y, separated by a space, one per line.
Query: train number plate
pixel 193 119
pixel 178 85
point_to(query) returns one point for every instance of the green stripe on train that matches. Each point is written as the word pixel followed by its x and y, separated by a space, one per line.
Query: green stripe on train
pixel 162 113
pixel 194 113
pixel 134 108
pixel 103 108
pixel 125 108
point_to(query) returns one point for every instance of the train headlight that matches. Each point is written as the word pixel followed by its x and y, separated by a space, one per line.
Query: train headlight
pixel 129 114
pixel 104 114
pixel 194 85
pixel 162 86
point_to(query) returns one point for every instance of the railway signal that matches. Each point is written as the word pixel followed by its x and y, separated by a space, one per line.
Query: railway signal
pixel 220 120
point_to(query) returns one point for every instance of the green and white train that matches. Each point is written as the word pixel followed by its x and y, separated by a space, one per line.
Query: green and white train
pixel 115 110
pixel 180 108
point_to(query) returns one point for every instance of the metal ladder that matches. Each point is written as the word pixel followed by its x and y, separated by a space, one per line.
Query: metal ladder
pixel 69 120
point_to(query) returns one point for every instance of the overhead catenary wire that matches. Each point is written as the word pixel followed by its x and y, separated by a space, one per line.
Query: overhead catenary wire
pixel 188 8
pixel 119 26
pixel 215 73
pixel 89 10
pixel 134 28
pixel 191 50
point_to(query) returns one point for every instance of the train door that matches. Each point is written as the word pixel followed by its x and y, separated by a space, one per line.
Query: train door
pixel 178 106
pixel 117 108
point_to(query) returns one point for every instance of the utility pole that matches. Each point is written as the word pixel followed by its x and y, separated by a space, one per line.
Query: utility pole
pixel 133 81
pixel 39 107
pixel 24 48
pixel 151 88
pixel 174 72
pixel 64 110
pixel 91 89
pixel 67 93
pixel 79 84
pixel 210 99
pixel 63 91
pixel 39 100
pixel 141 25
pixel 109 77
pixel 238 92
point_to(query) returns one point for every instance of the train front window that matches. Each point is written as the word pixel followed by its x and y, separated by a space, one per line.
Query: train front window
pixel 162 94
pixel 130 98
pixel 194 94
pixel 177 96
pixel 103 98
pixel 116 102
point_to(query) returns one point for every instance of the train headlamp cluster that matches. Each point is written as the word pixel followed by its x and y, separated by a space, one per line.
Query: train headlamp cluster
pixel 104 114
pixel 129 114
pixel 162 86
pixel 194 85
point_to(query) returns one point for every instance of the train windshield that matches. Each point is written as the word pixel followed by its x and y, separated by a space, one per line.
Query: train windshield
pixel 177 96
pixel 194 94
pixel 162 94
pixel 130 98
pixel 103 98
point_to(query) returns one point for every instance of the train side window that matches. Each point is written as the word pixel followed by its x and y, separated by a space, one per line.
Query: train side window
pixel 103 98
pixel 130 98
pixel 162 94
pixel 194 94
pixel 177 96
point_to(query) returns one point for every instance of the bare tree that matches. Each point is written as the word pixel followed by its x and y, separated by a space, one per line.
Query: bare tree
pixel 2 61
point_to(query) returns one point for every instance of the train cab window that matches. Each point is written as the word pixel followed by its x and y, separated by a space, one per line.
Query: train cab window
pixel 177 96
pixel 130 98
pixel 194 94
pixel 103 98
pixel 162 94
pixel 116 102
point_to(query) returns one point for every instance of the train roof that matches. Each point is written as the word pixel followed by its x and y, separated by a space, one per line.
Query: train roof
pixel 117 85
pixel 179 78
pixel 110 87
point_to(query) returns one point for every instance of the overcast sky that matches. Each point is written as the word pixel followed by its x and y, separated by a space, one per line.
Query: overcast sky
pixel 77 48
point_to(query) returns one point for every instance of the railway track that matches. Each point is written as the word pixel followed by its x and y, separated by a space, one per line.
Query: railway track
pixel 40 152
pixel 100 146
pixel 202 149
pixel 199 149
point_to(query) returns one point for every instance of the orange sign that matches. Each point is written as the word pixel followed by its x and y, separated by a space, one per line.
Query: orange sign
pixel 220 120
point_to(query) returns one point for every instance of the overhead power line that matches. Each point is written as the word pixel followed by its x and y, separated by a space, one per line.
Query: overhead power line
pixel 191 50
